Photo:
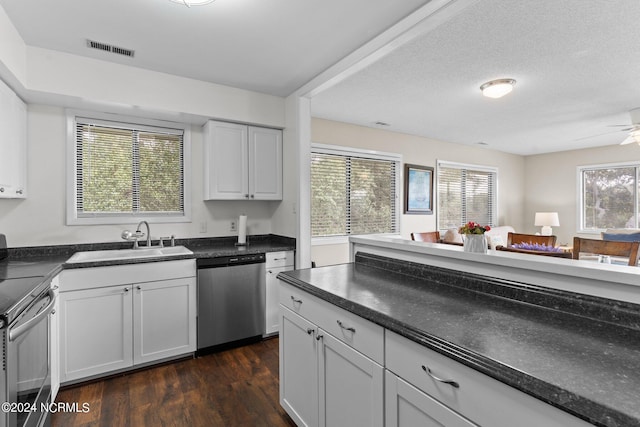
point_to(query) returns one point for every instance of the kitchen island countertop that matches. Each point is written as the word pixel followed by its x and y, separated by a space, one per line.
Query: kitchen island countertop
pixel 576 352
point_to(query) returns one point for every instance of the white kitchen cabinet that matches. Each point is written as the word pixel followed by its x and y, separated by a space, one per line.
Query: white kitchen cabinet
pixel 96 331
pixel 351 390
pixel 242 162
pixel 112 320
pixel 164 319
pixel 328 372
pixel 54 340
pixel 474 397
pixel 275 263
pixel 13 144
pixel 406 406
pixel 298 369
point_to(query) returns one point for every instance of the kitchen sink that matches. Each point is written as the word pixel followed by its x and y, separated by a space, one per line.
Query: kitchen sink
pixel 122 254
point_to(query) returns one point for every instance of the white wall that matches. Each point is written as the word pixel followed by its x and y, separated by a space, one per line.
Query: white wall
pixel 423 151
pixel 40 219
pixel 551 184
pixel 50 80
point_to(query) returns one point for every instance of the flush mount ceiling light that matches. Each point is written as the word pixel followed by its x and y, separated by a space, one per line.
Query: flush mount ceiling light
pixel 497 88
pixel 190 3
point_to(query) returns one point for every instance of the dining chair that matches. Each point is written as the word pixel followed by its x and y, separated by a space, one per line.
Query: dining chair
pixel 427 236
pixel 606 247
pixel 514 238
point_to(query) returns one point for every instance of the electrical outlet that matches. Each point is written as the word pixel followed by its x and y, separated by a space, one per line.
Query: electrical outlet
pixel 203 226
pixel 233 226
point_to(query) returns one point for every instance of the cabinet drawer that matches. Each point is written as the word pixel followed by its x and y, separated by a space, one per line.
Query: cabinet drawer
pixel 359 333
pixel 477 394
pixel 279 259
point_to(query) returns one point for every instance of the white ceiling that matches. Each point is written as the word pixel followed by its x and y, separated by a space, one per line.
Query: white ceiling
pixel 576 62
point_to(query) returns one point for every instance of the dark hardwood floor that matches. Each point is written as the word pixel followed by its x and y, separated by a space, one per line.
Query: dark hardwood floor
pixel 236 387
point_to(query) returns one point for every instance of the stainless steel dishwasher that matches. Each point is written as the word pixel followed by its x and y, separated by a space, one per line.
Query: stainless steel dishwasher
pixel 231 299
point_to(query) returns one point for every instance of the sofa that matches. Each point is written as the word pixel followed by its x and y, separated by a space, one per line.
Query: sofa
pixel 497 236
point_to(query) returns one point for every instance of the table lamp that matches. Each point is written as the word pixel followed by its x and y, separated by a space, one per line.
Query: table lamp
pixel 547 220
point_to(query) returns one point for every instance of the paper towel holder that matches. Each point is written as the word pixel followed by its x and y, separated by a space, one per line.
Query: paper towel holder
pixel 242 230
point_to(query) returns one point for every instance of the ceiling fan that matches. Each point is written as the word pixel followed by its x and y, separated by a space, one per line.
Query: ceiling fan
pixel 634 130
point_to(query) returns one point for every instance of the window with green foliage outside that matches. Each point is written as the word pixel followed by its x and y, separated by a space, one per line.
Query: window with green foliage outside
pixel 352 194
pixel 609 196
pixel 126 170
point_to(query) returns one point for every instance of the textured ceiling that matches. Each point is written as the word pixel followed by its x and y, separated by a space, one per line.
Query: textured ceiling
pixel 270 46
pixel 576 62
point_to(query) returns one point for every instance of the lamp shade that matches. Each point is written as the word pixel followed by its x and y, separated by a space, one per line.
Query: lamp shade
pixel 549 219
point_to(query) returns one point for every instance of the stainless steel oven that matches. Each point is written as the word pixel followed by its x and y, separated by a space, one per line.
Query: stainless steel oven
pixel 26 362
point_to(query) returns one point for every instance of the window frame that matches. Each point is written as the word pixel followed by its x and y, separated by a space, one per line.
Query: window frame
pixel 340 150
pixel 467 166
pixel 72 217
pixel 580 189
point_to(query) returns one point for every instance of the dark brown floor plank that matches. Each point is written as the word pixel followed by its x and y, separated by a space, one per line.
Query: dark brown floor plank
pixel 234 387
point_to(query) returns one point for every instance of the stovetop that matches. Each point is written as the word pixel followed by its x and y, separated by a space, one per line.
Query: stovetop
pixel 17 294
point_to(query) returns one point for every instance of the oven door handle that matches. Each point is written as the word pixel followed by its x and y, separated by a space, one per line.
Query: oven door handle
pixel 15 333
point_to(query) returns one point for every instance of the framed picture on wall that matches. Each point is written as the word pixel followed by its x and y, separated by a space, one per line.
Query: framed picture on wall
pixel 418 189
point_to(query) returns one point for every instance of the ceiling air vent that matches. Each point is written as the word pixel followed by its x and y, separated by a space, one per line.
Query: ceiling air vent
pixel 109 48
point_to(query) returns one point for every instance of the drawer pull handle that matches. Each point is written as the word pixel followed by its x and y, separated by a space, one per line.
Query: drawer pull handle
pixel 350 329
pixel 452 383
pixel 298 301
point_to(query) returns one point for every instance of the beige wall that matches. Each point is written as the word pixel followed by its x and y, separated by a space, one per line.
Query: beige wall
pixel 551 184
pixel 423 151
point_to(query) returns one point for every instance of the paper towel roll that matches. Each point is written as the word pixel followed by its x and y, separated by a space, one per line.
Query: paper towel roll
pixel 242 230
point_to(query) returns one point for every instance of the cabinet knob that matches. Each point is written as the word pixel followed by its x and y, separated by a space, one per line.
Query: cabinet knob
pixel 1 189
pixel 310 331
pixel 252 196
pixel 138 288
pixel 246 196
pixel 319 337
pixel 126 289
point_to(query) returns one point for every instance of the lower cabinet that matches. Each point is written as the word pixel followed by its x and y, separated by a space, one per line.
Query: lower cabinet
pixel 338 369
pixel 406 406
pixel 116 327
pixel 325 381
pixel 276 262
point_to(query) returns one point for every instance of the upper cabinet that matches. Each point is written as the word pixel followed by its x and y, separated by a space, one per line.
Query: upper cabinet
pixel 13 144
pixel 242 162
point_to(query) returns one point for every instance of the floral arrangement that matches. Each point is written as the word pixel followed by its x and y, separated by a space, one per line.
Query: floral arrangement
pixel 473 228
pixel 536 247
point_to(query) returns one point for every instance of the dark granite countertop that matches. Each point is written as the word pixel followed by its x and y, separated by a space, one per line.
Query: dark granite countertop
pixel 575 352
pixel 44 262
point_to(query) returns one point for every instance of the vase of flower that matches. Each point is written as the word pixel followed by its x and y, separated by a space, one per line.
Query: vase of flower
pixel 474 239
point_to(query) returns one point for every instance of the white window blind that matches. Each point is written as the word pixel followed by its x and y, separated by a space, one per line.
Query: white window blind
pixel 128 170
pixel 353 194
pixel 466 193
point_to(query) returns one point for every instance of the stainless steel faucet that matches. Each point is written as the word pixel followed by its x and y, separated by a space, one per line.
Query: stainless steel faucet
pixel 148 233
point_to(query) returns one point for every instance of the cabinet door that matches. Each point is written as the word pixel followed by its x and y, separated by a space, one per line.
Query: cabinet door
pixel 406 406
pixel 95 331
pixel 13 140
pixel 351 390
pixel 265 164
pixel 226 173
pixel 164 319
pixel 54 341
pixel 272 318
pixel 298 368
